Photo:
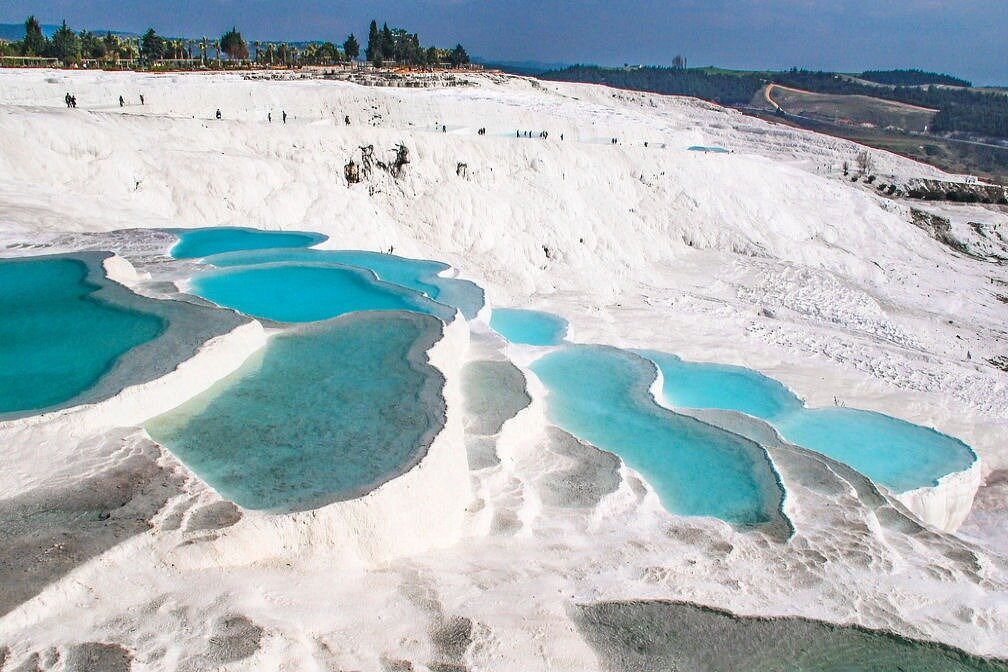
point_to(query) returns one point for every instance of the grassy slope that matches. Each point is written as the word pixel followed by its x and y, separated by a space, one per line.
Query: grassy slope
pixel 854 110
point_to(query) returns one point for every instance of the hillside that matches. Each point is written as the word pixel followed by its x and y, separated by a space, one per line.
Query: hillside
pixel 967 128
pixel 854 110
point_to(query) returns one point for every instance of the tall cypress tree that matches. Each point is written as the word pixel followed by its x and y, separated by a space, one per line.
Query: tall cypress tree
pixel 374 48
pixel 387 43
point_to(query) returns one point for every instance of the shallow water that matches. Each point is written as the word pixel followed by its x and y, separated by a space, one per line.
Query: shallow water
pixel 418 275
pixel 658 636
pixel 714 150
pixel 733 388
pixel 897 454
pixel 57 336
pixel 303 292
pixel 601 395
pixel 198 243
pixel 326 412
pixel 529 327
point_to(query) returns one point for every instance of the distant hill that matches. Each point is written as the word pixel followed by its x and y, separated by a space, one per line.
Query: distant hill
pixel 15 31
pixel 520 67
pixel 960 109
pixel 912 78
pixel 850 110
pixel 735 88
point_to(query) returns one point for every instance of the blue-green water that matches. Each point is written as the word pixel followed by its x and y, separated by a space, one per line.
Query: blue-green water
pixel 198 243
pixel 601 395
pixel 57 338
pixel 326 412
pixel 734 388
pixel 715 150
pixel 897 454
pixel 530 327
pixel 306 292
pixel 418 275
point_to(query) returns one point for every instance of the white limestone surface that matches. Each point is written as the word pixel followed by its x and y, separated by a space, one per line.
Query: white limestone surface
pixel 763 257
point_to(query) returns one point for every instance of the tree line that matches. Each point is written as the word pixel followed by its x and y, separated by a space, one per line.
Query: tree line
pixel 724 88
pixel 402 47
pixel 913 77
pixel 960 109
pixel 70 48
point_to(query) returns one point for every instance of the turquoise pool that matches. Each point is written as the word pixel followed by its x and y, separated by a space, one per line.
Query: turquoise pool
pixel 58 336
pixel 306 292
pixel 713 150
pixel 418 275
pixel 734 388
pixel 897 454
pixel 198 243
pixel 325 412
pixel 602 396
pixel 530 327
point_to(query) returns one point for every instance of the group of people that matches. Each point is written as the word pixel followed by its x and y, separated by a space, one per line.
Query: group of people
pixel 122 101
pixel 481 131
pixel 269 116
pixel 531 134
pixel 71 101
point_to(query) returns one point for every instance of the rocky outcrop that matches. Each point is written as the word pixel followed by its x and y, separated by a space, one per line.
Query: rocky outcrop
pixel 959 192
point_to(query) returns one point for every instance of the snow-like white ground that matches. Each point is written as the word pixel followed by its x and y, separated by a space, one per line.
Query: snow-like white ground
pixel 764 257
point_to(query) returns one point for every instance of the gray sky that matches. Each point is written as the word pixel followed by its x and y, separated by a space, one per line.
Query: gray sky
pixel 968 38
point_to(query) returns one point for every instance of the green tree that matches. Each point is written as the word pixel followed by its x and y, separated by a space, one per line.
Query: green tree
pixel 232 44
pixel 351 48
pixel 92 46
pixel 327 54
pixel 374 48
pixel 152 46
pixel 65 45
pixel 458 56
pixel 35 43
pixel 111 43
pixel 387 43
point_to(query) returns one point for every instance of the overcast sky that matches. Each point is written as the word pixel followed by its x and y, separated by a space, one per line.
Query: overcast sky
pixel 968 38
